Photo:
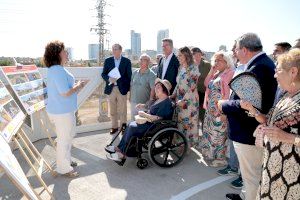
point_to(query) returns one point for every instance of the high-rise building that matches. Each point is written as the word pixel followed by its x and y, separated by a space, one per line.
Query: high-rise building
pixel 135 43
pixel 222 47
pixel 161 34
pixel 93 51
pixel 70 53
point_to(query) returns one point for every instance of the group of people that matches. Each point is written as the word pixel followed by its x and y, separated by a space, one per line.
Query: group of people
pixel 264 144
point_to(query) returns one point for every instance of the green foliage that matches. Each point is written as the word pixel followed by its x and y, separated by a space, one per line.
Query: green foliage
pixel 6 62
pixel 39 63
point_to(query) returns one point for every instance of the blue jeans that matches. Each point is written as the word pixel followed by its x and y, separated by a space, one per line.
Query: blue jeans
pixel 233 161
pixel 133 130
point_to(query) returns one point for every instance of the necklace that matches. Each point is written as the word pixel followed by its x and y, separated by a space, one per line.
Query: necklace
pixel 285 106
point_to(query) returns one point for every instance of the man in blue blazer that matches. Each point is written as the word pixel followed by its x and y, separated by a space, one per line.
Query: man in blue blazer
pixel 117 88
pixel 241 126
pixel 168 64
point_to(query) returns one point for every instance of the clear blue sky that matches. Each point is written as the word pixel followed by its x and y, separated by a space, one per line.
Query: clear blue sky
pixel 26 26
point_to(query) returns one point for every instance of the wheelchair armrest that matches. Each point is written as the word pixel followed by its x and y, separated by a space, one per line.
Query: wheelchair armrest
pixel 164 121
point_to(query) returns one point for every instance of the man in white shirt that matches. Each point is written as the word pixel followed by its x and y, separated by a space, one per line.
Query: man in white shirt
pixel 169 64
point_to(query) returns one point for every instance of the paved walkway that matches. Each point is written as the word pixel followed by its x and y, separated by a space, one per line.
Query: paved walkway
pixel 105 180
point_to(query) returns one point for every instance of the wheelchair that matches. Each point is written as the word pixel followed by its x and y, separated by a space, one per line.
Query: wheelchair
pixel 165 145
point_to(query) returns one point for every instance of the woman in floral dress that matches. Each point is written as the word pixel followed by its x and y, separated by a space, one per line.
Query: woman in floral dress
pixel 186 96
pixel 214 137
pixel 279 134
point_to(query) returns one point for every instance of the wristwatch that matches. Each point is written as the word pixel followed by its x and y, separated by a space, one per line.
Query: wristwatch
pixel 297 141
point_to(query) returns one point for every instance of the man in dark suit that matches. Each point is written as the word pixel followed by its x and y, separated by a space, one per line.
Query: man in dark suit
pixel 204 68
pixel 117 88
pixel 280 48
pixel 169 64
pixel 241 126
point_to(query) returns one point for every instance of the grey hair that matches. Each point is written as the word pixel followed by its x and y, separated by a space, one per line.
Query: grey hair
pixel 170 41
pixel 144 55
pixel 226 56
pixel 159 55
pixel 250 41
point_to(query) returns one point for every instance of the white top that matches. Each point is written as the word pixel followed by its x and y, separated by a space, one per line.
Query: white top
pixel 239 69
pixel 166 62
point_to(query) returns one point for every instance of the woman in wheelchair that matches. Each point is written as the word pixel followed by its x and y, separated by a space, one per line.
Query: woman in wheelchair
pixel 161 109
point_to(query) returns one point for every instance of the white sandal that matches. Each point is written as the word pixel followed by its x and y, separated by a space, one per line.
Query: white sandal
pixel 110 149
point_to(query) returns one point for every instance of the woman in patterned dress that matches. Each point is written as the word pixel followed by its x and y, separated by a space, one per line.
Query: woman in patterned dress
pixel 279 135
pixel 213 143
pixel 186 96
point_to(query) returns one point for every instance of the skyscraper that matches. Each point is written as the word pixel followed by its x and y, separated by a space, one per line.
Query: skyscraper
pixel 70 53
pixel 222 47
pixel 161 34
pixel 93 51
pixel 135 43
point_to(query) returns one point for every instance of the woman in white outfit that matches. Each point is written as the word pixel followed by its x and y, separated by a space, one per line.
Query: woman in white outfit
pixel 61 104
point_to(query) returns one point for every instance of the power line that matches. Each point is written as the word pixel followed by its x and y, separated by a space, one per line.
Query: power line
pixel 100 28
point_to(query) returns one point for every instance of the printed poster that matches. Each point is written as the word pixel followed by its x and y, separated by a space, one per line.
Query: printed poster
pixel 11 116
pixel 13 169
pixel 28 85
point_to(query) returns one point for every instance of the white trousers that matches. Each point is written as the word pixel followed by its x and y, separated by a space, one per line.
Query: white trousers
pixel 65 130
pixel 250 160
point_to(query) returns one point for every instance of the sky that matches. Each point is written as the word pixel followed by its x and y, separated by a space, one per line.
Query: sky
pixel 27 26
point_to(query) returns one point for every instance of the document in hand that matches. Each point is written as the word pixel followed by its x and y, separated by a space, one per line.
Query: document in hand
pixel 114 73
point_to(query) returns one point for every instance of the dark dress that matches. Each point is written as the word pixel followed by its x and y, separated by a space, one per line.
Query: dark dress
pixel 281 164
pixel 163 109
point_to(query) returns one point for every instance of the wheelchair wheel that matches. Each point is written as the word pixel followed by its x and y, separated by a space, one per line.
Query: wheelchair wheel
pixel 167 147
pixel 142 163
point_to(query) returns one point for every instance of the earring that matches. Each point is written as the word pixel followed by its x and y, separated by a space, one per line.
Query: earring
pixel 293 86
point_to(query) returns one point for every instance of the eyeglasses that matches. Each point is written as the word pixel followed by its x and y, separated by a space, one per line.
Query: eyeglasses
pixel 278 69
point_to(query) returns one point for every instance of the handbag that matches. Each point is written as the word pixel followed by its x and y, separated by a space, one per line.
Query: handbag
pixel 247 88
pixel 140 120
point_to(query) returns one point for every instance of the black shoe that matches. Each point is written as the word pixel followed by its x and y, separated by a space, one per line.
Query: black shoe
pixel 113 131
pixel 237 183
pixel 233 196
pixel 123 127
pixel 73 164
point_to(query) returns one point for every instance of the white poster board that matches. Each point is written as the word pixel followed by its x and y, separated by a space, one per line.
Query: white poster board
pixel 28 85
pixel 12 168
pixel 11 116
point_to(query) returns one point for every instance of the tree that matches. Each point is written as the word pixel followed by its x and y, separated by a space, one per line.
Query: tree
pixel 6 62
pixel 38 63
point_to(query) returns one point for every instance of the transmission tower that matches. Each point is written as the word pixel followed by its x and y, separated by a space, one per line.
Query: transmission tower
pixel 100 29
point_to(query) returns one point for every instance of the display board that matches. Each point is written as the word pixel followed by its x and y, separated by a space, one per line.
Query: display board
pixel 14 171
pixel 11 116
pixel 27 83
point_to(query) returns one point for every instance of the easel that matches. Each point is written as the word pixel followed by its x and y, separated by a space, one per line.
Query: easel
pixel 19 187
pixel 44 121
pixel 32 157
pixel 21 137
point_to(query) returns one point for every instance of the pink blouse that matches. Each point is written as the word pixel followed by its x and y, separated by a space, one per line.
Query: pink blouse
pixel 225 78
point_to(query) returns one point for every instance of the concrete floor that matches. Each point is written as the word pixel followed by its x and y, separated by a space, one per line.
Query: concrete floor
pixel 105 180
